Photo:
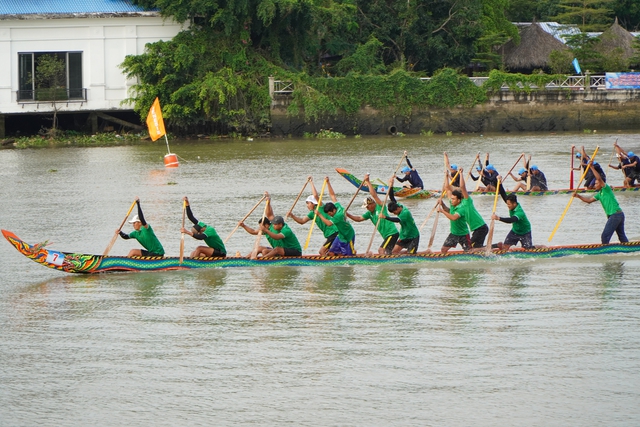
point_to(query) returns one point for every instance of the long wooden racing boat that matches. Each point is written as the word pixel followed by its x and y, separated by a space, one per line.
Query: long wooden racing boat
pixel 90 264
pixel 416 193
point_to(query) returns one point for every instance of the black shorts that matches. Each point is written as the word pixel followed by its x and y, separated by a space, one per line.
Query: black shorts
pixel 478 235
pixel 452 241
pixel 525 240
pixel 411 245
pixel 327 243
pixel 145 252
pixel 217 254
pixel 389 243
pixel 292 252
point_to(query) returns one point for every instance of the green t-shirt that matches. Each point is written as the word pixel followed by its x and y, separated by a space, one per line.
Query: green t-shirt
pixel 327 230
pixel 473 217
pixel 385 228
pixel 607 200
pixel 522 225
pixel 147 238
pixel 273 242
pixel 459 226
pixel 290 240
pixel 408 229
pixel 212 240
pixel 346 233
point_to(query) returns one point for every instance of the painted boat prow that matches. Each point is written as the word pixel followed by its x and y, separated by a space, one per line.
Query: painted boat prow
pixel 399 192
pixel 91 264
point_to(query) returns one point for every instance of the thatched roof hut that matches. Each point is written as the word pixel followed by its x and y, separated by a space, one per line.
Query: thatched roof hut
pixel 533 51
pixel 616 37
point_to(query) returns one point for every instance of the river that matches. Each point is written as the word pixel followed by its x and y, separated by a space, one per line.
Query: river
pixel 509 342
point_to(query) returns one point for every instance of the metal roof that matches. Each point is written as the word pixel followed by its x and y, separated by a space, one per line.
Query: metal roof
pixel 559 31
pixel 42 7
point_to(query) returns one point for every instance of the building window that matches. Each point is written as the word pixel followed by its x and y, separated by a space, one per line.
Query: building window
pixel 50 76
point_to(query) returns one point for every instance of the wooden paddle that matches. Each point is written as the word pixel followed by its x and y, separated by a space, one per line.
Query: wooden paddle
pixel 354 197
pixel 115 236
pixel 472 165
pixel 254 252
pixel 386 197
pixel 493 221
pixel 244 219
pixel 298 198
pixel 573 148
pixel 315 215
pixel 513 167
pixel 481 172
pixel 435 221
pixel 184 210
pixel 573 196
pixel 528 165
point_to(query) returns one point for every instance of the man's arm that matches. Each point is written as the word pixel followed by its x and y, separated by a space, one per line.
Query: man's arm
pixel 274 236
pixel 332 193
pixel 597 175
pixel 140 215
pixel 300 220
pixel 248 229
pixel 372 192
pixel 192 218
pixel 463 185
pixel 589 199
pixel 356 218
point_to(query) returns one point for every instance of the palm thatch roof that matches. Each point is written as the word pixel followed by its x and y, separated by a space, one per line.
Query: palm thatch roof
pixel 533 51
pixel 616 37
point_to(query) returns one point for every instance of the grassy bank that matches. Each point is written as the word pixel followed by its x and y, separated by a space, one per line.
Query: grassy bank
pixel 73 139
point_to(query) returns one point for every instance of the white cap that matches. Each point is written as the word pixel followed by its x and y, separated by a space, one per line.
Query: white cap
pixel 312 200
pixel 134 219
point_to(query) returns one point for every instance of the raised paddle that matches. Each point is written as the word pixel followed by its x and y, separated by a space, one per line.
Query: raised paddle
pixel 493 221
pixel 386 197
pixel 315 215
pixel 254 252
pixel 573 196
pixel 435 221
pixel 244 219
pixel 513 167
pixel 115 236
pixel 184 210
pixel 298 198
pixel 528 165
pixel 571 174
pixel 481 172
pixel 472 165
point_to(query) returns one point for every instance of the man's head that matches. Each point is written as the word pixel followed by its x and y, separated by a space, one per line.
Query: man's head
pixel 264 220
pixel 535 170
pixel 311 203
pixel 454 168
pixel 522 171
pixel 630 154
pixel 136 222
pixel 394 208
pixel 512 201
pixel 277 222
pixel 456 197
pixel 406 170
pixel 330 209
pixel 369 204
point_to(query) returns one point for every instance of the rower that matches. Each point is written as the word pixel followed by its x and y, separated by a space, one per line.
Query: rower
pixel 409 237
pixel 520 225
pixel 410 175
pixel 144 234
pixel 214 245
pixel 344 243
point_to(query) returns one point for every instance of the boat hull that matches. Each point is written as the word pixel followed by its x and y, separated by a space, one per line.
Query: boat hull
pixel 92 264
pixel 416 193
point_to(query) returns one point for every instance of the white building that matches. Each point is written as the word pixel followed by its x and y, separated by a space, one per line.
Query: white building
pixel 92 37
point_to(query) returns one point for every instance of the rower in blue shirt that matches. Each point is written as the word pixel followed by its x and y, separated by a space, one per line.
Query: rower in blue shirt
pixel 410 175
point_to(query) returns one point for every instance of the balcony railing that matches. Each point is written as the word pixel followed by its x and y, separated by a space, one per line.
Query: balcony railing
pixel 51 95
pixel 570 82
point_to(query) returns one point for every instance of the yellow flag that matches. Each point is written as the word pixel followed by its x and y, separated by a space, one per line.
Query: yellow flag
pixel 154 121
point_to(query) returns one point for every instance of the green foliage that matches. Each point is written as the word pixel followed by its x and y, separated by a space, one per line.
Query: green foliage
pixel 560 61
pixel 589 15
pixel 397 93
pixel 424 132
pixel 367 59
pixel 325 134
pixel 519 82
pixel 634 61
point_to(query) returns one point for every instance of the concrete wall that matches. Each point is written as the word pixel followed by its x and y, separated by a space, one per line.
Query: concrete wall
pixel 506 111
pixel 104 43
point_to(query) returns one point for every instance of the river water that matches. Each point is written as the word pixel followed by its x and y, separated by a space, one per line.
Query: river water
pixel 509 342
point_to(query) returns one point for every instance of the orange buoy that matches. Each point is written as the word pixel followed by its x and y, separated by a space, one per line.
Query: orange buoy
pixel 171 161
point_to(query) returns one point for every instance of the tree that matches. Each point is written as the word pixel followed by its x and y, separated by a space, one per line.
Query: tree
pixel 50 83
pixel 589 15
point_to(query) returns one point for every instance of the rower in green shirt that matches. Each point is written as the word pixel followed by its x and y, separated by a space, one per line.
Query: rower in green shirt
pixel 520 225
pixel 329 232
pixel 457 214
pixel 201 231
pixel 615 216
pixel 144 234
pixel 374 206
pixel 409 237
pixel 344 243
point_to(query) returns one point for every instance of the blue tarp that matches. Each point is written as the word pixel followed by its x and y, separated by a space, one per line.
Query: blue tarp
pixel 25 7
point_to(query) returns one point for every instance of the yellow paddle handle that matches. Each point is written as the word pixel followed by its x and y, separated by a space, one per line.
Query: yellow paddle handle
pixel 315 215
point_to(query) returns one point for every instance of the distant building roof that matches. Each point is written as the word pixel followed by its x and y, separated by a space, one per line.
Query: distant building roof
pixel 65 7
pixel 559 31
